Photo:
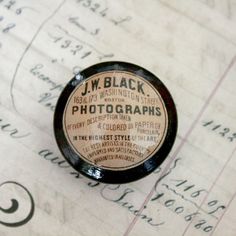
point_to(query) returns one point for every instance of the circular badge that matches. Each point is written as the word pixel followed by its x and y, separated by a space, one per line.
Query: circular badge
pixel 115 122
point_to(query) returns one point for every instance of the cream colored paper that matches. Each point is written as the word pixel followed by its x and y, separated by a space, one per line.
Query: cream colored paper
pixel 190 45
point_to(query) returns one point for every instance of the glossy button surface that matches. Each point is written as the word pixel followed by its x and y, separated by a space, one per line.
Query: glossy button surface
pixel 115 122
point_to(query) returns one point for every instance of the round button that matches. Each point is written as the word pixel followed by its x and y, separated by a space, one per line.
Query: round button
pixel 115 122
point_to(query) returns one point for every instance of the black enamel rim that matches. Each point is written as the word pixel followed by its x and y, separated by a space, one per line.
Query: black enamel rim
pixel 105 175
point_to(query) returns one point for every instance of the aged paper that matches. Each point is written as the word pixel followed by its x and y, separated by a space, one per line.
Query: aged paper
pixel 190 45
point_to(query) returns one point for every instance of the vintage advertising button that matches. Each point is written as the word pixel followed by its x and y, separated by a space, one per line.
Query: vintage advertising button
pixel 115 122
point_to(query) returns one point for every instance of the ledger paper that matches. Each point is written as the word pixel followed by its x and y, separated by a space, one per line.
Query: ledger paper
pixel 190 45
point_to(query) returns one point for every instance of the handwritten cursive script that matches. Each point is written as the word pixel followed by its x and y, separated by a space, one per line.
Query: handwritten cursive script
pixel 15 205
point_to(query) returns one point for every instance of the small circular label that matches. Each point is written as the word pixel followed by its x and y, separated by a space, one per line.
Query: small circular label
pixel 115 120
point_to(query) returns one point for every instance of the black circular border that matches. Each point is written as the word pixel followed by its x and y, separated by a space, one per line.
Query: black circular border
pixel 117 176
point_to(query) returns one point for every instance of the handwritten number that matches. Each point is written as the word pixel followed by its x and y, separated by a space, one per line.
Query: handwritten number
pixel 95 7
pixel 77 49
pixel 219 207
pixel 232 137
pixel 88 3
pixel 181 182
pixel 10 4
pixel 8 28
pixel 169 203
pixel 225 131
pixel 189 187
pixel 212 203
pixel 190 216
pixel 199 225
pixel 103 13
pixel 18 11
pixel 179 210
pixel 159 195
pixel 66 44
pixel 208 228
pixel 95 32
pixel 216 127
pixel 197 193
pixel 207 123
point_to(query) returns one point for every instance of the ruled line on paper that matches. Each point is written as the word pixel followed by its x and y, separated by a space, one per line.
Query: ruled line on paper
pixel 212 186
pixel 26 50
pixel 222 215
pixel 197 22
pixel 205 105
